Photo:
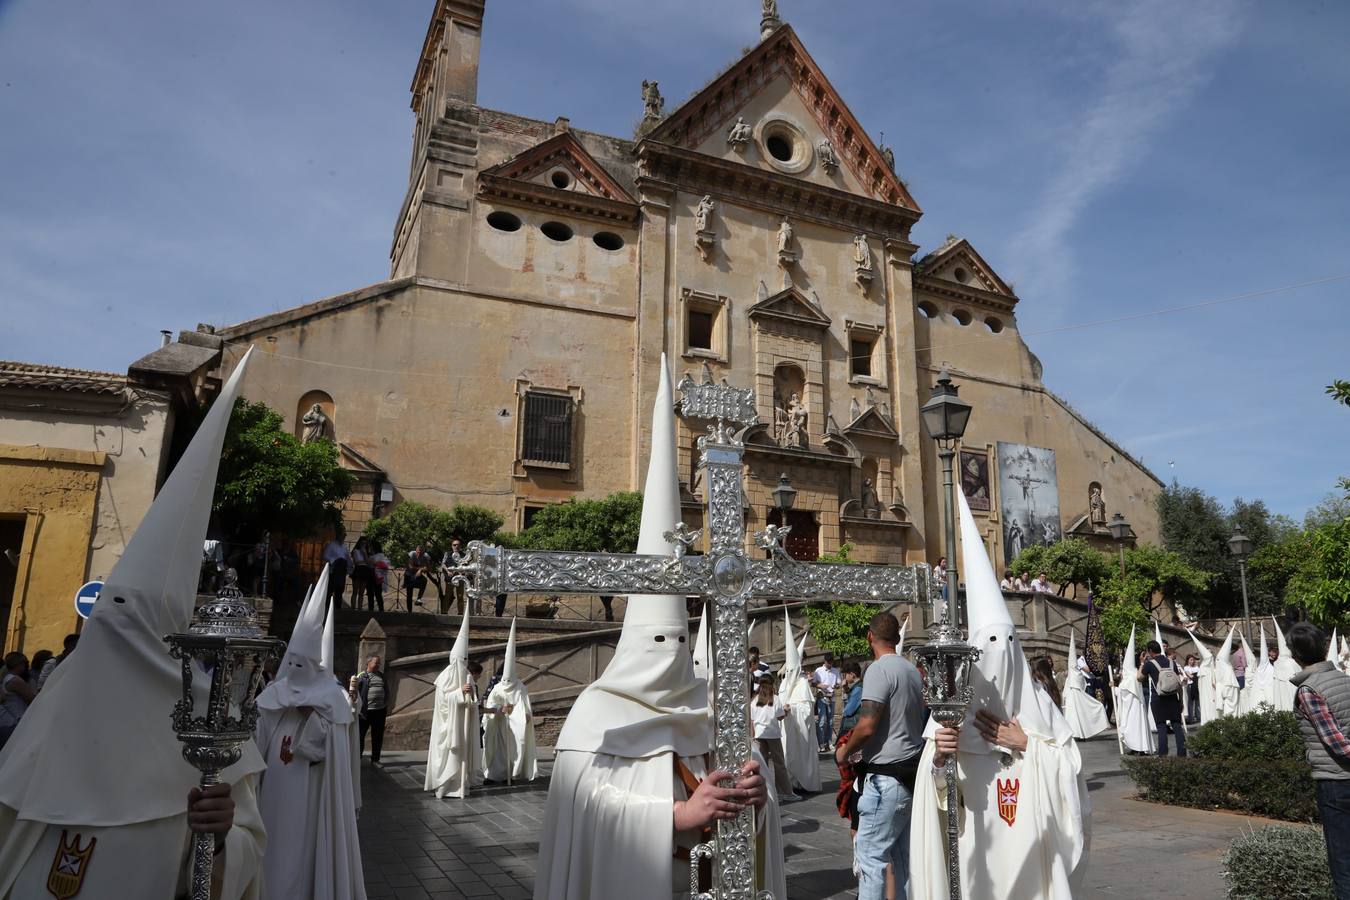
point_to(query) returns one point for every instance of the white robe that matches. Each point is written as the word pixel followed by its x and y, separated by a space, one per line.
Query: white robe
pixel 799 731
pixel 1227 692
pixel 1134 720
pixel 508 740
pixel 309 807
pixel 148 859
pixel 1041 854
pixel 453 754
pixel 1208 697
pixel 1086 714
pixel 1260 687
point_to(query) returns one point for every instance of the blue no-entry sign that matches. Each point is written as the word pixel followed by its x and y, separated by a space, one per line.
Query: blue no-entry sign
pixel 85 597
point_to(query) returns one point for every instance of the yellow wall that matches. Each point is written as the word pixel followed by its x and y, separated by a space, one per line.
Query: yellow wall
pixel 56 492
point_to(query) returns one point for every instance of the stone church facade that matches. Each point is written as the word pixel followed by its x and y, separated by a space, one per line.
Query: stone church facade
pixel 755 234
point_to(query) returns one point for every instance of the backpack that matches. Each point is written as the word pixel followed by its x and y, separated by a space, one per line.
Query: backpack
pixel 1168 682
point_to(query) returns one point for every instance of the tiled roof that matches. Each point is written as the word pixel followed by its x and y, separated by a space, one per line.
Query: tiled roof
pixel 56 378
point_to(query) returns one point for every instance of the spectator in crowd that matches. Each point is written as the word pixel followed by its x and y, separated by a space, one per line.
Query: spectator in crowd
pixel 1239 662
pixel 449 561
pixel 40 660
pixel 766 716
pixel 252 566
pixel 940 576
pixel 67 647
pixel 15 694
pixel 825 679
pixel 1164 677
pixel 289 587
pixel 607 601
pixel 758 669
pixel 1272 654
pixel 339 561
pixel 887 741
pixel 1192 672
pixel 415 574
pixel 1323 704
pixel 1043 671
pixel 1041 585
pixel 1009 583
pixel 371 708
pixel 213 565
pixel 1023 582
pixel 362 573
pixel 847 798
pixel 379 575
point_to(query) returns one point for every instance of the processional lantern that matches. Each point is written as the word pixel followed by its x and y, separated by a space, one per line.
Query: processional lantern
pixel 224 643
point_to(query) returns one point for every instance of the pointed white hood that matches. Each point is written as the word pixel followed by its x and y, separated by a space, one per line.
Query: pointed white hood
pixel 1333 649
pixel 302 679
pixel 329 636
pixel 456 672
pixel 509 664
pixel 792 654
pixel 99 750
pixel 648 700
pixel 1206 657
pixel 801 645
pixel 1157 634
pixel 1264 659
pixel 900 647
pixel 703 648
pixel 1128 665
pixel 1000 679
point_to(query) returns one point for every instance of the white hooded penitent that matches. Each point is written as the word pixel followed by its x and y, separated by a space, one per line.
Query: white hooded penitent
pixel 1283 692
pixel 799 728
pixel 508 737
pixel 1227 691
pixel 1025 812
pixel 1205 681
pixel 1133 717
pixel 454 761
pixel 97 756
pixel 1086 714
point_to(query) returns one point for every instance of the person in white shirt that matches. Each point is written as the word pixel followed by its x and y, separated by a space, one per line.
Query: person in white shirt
pixel 940 575
pixel 339 561
pixel 766 716
pixel 1041 585
pixel 1023 582
pixel 825 679
pixel 1008 583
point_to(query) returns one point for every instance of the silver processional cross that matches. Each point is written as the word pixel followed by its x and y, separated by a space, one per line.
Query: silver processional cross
pixel 726 576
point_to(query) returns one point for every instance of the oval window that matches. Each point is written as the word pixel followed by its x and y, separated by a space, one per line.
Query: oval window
pixel 962 316
pixel 560 179
pixel 556 231
pixel 929 310
pixel 994 325
pixel 779 146
pixel 608 240
pixel 503 221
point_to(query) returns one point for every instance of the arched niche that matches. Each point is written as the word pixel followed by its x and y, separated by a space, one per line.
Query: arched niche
pixel 324 401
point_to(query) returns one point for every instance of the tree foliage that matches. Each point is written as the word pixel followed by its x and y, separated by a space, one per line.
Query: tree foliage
pixel 411 524
pixel 1322 585
pixel 270 481
pixel 1070 562
pixel 839 627
pixel 585 526
pixel 1118 617
pixel 1153 575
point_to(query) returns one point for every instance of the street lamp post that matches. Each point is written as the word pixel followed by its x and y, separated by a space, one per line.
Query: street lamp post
pixel 1120 530
pixel 945 417
pixel 1241 546
pixel 783 497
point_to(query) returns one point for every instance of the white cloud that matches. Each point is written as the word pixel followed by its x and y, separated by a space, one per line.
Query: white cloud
pixel 1165 50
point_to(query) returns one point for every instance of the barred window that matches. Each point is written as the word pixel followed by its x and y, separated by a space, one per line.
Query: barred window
pixel 548 430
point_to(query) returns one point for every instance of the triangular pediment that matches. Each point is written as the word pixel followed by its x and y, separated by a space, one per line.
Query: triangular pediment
pixel 356 463
pixel 957 262
pixel 777 88
pixel 790 305
pixel 560 174
pixel 872 423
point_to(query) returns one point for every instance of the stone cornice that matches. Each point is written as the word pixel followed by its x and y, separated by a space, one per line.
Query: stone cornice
pixel 466 12
pixel 953 290
pixel 528 193
pixel 674 168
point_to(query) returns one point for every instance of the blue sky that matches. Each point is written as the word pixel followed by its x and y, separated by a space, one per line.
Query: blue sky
pixel 169 163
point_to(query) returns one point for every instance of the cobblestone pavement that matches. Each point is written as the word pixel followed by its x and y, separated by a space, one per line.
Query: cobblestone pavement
pixel 416 847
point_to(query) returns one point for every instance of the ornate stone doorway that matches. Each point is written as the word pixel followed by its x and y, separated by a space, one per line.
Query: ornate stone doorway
pixel 803 542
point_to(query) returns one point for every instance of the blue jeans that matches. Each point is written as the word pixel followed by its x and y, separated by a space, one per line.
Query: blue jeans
pixel 1333 802
pixel 824 721
pixel 883 836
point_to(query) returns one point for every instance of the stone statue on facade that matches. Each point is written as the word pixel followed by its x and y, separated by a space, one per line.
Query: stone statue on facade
pixel 785 254
pixel 770 8
pixel 828 161
pixel 793 432
pixel 888 156
pixel 316 424
pixel 862 253
pixel 739 136
pixel 871 504
pixel 703 213
pixel 653 104
pixel 1096 506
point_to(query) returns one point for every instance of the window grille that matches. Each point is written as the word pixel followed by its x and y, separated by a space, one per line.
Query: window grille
pixel 548 430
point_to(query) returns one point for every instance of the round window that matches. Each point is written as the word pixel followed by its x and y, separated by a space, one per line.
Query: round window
pixel 608 240
pixel 961 275
pixel 556 231
pixel 784 145
pixel 560 179
pixel 503 221
pixel 962 316
pixel 780 147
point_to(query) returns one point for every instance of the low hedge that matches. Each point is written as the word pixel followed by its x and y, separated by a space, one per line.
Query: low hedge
pixel 1276 789
pixel 1266 734
pixel 1278 863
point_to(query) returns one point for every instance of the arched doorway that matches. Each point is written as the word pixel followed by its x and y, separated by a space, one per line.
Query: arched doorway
pixel 803 541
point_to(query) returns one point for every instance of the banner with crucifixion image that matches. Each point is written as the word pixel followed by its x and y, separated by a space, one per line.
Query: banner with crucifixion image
pixel 1028 490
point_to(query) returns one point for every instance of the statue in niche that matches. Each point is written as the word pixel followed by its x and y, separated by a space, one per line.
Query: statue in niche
pixel 828 161
pixel 794 426
pixel 1096 506
pixel 888 156
pixel 653 104
pixel 871 504
pixel 862 253
pixel 739 136
pixel 316 425
pixel 785 237
pixel 703 213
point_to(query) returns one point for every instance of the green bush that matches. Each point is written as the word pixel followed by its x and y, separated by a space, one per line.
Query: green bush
pixel 1278 863
pixel 412 523
pixel 1267 734
pixel 1277 789
pixel 610 525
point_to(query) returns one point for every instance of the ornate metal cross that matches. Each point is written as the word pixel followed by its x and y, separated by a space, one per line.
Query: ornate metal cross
pixel 726 576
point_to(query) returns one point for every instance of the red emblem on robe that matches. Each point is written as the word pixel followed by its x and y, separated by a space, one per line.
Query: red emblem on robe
pixel 69 867
pixel 1007 799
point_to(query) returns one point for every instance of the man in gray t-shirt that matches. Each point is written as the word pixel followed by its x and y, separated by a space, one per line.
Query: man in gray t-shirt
pixel 887 739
